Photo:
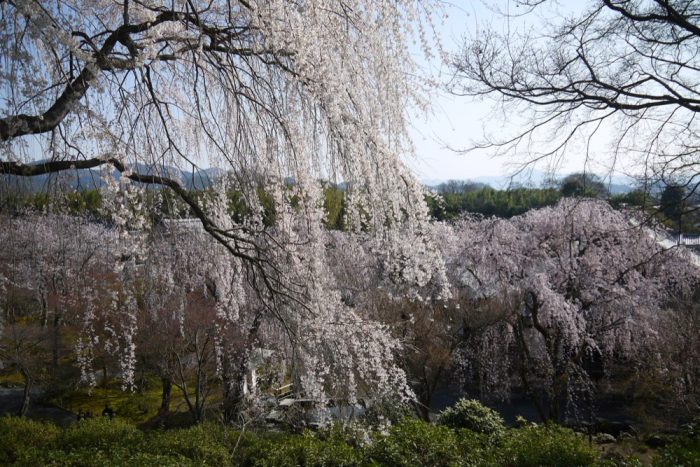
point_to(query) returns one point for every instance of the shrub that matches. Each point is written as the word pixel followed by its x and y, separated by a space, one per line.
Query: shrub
pixel 477 448
pixel 293 450
pixel 548 445
pixel 472 415
pixel 414 442
pixel 386 411
pixel 20 437
pixel 252 446
pixel 116 456
pixel 204 444
pixel 683 451
pixel 101 433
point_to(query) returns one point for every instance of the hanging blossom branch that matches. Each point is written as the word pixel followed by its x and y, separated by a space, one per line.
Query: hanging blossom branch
pixel 232 242
pixel 102 59
pixel 29 170
pixel 248 86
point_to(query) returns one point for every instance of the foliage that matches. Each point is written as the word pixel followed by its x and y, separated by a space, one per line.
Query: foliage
pixel 249 88
pixel 478 449
pixel 684 450
pixel 491 202
pixel 386 412
pixel 673 202
pixel 334 207
pixel 472 415
pixel 583 185
pixel 87 202
pixel 548 445
pixel 415 442
pixel 634 198
pixel 115 455
pixel 204 444
pixel 20 437
pixel 308 449
pixel 408 443
pixel 570 287
pixel 134 407
pixel 101 433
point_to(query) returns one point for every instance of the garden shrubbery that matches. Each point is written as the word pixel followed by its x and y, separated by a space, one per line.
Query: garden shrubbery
pixel 309 449
pixel 684 450
pixel 414 442
pixel 472 415
pixel 19 436
pixel 548 445
pixel 410 442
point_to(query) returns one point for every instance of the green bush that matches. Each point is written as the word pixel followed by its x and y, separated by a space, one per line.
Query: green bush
pixel 684 451
pixel 293 450
pixel 115 456
pixel 477 448
pixel 472 415
pixel 414 442
pixel 101 433
pixel 204 444
pixel 20 438
pixel 548 445
pixel 101 442
pixel 386 411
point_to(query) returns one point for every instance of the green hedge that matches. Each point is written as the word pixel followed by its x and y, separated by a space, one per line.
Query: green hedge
pixel 413 442
pixel 549 445
pixel 101 442
pixel 20 438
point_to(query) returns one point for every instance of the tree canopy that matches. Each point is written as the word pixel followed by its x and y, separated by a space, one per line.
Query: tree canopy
pixel 277 94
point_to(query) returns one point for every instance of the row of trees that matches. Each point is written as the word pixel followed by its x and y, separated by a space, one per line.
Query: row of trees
pixel 454 199
pixel 673 204
pixel 548 302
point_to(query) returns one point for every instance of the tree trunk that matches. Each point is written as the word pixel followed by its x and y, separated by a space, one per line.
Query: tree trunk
pixel 423 407
pixel 234 378
pixel 24 408
pixel 234 373
pixel 44 310
pixel 424 393
pixel 166 396
pixel 56 340
pixel 524 365
pixel 554 408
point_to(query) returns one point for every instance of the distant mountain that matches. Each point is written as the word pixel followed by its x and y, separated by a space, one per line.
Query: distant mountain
pixel 90 179
pixel 86 179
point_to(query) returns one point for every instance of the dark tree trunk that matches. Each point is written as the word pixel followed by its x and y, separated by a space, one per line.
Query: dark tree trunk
pixel 423 407
pixel 56 340
pixel 234 373
pixel 234 378
pixel 24 408
pixel 166 396
pixel 525 358
pixel 554 408
pixel 425 392
pixel 44 311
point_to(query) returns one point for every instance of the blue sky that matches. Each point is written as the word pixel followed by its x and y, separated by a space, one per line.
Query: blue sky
pixel 457 122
